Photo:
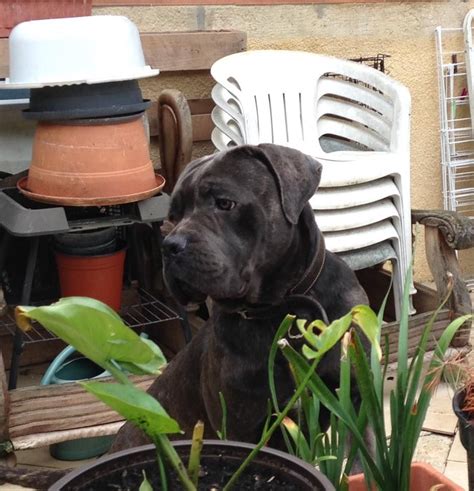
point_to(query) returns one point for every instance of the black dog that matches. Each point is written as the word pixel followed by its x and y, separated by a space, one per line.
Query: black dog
pixel 246 237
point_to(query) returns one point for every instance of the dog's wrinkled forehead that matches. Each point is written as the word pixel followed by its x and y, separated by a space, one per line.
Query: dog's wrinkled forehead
pixel 246 167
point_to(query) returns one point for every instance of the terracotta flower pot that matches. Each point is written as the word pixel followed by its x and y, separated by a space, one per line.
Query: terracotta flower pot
pixel 12 12
pixel 93 164
pixel 423 478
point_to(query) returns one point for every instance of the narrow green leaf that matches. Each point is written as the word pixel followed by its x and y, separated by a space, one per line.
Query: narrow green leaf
pixel 298 438
pixel 330 401
pixel 136 406
pixel 416 420
pixel 366 387
pixel 223 432
pixel 281 332
pixel 402 360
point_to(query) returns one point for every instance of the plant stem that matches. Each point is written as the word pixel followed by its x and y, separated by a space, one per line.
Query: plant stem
pixel 116 373
pixel 163 478
pixel 195 454
pixel 266 436
pixel 164 446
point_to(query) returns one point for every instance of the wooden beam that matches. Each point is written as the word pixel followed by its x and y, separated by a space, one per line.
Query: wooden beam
pixel 193 50
pixel 174 51
pixel 3 58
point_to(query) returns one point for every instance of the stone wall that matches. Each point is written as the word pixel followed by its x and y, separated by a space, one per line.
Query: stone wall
pixel 404 30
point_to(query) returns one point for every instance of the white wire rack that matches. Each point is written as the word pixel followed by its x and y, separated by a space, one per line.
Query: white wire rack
pixel 457 141
pixel 456 124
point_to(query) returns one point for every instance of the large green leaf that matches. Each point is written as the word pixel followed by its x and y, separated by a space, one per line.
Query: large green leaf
pixel 96 331
pixel 135 405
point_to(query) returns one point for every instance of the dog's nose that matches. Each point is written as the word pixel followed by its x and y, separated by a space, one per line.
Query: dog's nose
pixel 174 245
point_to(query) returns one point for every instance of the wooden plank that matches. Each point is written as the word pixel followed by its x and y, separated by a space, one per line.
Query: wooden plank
pixel 193 50
pixel 56 424
pixel 44 409
pixel 416 324
pixel 175 51
pixel 61 391
pixel 4 58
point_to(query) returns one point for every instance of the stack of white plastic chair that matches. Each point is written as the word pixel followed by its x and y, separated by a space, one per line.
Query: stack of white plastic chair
pixel 354 119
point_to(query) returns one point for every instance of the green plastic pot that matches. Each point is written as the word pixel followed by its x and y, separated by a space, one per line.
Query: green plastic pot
pixel 70 366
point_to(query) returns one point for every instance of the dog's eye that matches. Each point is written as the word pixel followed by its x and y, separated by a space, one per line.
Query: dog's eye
pixel 224 204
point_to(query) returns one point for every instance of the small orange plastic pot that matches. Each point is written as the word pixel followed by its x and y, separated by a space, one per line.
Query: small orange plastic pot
pixel 99 277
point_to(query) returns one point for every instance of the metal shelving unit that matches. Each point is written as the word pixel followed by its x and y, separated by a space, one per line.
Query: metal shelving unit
pixel 147 311
pixel 31 220
pixel 456 127
pixel 456 122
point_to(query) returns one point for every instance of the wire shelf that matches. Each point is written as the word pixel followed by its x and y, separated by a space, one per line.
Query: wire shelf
pixel 147 311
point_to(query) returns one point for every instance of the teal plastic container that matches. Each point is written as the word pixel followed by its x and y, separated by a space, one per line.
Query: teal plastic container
pixel 70 366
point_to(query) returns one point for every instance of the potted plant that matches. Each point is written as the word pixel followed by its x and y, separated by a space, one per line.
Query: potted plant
pixel 98 333
pixel 463 406
pixel 387 463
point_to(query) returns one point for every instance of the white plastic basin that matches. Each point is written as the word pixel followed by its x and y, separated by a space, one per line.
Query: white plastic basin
pixel 103 48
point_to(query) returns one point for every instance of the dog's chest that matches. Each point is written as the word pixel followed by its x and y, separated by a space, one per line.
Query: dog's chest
pixel 242 348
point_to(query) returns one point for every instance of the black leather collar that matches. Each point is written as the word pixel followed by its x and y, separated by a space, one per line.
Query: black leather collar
pixel 298 292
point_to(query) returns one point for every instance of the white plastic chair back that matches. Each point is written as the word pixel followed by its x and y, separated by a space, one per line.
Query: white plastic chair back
pixel 358 216
pixel 361 194
pixel 354 119
pixel 293 98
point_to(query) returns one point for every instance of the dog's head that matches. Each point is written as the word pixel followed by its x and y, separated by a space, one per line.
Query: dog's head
pixel 234 214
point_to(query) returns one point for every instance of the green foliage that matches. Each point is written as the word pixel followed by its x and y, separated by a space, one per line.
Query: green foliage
pixel 388 469
pixel 145 485
pixel 136 406
pixel 96 331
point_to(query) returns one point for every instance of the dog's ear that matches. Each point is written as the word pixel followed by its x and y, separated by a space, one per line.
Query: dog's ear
pixel 297 176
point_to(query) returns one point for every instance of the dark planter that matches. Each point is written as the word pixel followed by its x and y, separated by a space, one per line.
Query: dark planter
pixel 218 461
pixel 88 243
pixel 466 433
pixel 69 102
